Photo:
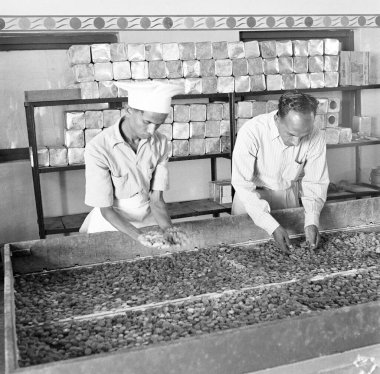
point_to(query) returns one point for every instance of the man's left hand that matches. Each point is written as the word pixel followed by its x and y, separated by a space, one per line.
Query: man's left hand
pixel 312 236
pixel 176 237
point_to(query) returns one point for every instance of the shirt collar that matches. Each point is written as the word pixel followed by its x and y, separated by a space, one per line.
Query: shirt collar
pixel 272 126
pixel 116 136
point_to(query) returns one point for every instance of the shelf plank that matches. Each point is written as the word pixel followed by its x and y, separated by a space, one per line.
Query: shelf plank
pixel 53 169
pixel 182 209
pixel 59 97
pixel 354 143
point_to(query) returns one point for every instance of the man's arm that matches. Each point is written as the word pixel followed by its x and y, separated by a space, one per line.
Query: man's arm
pixel 120 222
pixel 159 210
pixel 243 170
pixel 314 187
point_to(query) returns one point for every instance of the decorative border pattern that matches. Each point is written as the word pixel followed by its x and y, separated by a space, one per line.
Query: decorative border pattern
pixel 207 22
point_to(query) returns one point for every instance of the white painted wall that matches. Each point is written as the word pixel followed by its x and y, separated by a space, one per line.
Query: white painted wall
pixel 64 193
pixel 183 7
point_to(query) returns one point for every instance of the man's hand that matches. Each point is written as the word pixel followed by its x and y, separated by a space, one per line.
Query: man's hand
pixel 153 239
pixel 312 236
pixel 281 237
pixel 176 237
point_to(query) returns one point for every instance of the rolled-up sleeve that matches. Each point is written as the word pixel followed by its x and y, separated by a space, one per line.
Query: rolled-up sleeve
pixel 160 178
pixel 243 170
pixel 99 189
pixel 316 180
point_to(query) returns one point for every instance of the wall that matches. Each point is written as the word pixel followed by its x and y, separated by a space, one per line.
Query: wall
pixel 63 193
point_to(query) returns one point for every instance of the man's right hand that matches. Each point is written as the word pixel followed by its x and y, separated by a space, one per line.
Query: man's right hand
pixel 282 240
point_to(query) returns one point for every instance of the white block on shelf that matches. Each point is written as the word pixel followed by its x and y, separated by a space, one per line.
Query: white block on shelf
pixel 243 83
pixel 214 111
pixel 244 109
pixel 194 86
pixel 74 138
pixel 174 69
pixel 225 128
pixel 225 84
pixel 121 70
pixel 83 73
pixel 58 156
pixel 212 129
pixel 197 129
pixel 89 90
pixel 223 68
pixel 139 70
pixel 284 48
pixel 274 82
pixel 118 52
pixel 101 52
pixel 93 119
pixel 186 51
pixel 153 51
pixel 75 120
pixel 316 47
pixel 362 125
pixel 79 54
pixel 170 51
pixel 191 69
pixel 345 135
pixel 198 112
pixel 197 147
pixel 300 48
pixel 107 89
pixel 136 52
pixel 203 50
pixel 235 50
pixel 332 135
pixel 75 156
pixel 43 156
pixel 252 49
pixel 212 145
pixel 103 71
pixel 181 130
pixel 180 148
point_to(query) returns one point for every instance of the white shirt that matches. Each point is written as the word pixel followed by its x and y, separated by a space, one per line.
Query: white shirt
pixel 261 159
pixel 115 171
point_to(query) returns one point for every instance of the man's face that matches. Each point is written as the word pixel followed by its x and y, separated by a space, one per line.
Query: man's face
pixel 294 126
pixel 144 124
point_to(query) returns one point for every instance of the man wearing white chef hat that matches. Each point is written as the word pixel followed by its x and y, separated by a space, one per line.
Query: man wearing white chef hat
pixel 126 166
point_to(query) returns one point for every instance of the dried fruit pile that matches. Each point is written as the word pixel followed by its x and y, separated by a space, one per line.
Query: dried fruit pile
pixel 44 300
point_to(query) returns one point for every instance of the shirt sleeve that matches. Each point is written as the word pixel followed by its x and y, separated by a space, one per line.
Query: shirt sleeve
pixel 99 189
pixel 316 180
pixel 160 178
pixel 243 170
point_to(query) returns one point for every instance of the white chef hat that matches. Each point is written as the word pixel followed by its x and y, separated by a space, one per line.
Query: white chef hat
pixel 151 96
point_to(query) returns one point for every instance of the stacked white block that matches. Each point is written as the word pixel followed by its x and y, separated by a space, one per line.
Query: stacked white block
pixel 208 67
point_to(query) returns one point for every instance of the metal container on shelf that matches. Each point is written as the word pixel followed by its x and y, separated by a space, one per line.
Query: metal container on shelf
pixel 374 177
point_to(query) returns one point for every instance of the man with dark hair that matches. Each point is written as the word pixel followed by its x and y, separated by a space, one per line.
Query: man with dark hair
pixel 126 168
pixel 279 157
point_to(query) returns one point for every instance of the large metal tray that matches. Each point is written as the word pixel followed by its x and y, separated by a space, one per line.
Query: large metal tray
pixel 238 350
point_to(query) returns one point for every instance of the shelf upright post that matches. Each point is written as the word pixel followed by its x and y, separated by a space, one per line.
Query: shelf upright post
pixel 33 155
pixel 357 112
pixel 231 101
